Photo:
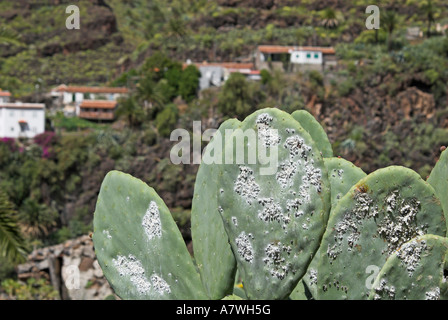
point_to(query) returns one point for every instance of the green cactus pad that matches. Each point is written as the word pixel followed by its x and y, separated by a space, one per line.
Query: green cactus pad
pixel 381 212
pixel 310 124
pixel 343 175
pixel 274 219
pixel 212 250
pixel 439 179
pixel 417 271
pixel 138 245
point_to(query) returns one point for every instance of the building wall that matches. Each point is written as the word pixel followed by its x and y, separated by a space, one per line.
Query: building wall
pixel 295 67
pixel 306 57
pixel 9 122
pixel 4 99
pixel 79 97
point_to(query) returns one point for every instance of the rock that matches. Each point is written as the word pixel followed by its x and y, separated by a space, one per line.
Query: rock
pixel 71 268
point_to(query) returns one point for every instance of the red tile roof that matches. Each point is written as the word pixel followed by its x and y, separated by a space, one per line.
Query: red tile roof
pixel 20 105
pixel 73 89
pixel 288 49
pixel 4 93
pixel 98 104
pixel 93 115
pixel 227 65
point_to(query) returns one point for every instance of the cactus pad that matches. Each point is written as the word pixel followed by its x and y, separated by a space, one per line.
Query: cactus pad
pixel 274 221
pixel 381 212
pixel 212 250
pixel 139 247
pixel 417 271
pixel 343 175
pixel 438 179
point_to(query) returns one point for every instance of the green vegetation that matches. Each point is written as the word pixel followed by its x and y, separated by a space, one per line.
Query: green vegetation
pixel 384 103
pixel 319 218
pixel 33 289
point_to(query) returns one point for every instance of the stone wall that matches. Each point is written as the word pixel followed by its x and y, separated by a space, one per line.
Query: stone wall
pixel 71 268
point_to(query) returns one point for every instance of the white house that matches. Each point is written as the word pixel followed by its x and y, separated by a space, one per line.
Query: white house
pixel 21 120
pixel 215 74
pixel 4 96
pixel 306 57
pixel 70 98
pixel 294 58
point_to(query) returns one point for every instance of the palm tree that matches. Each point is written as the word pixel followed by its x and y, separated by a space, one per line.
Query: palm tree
pixel 148 92
pixel 131 110
pixel 429 10
pixel 12 244
pixel 36 218
pixel 390 20
pixel 329 18
pixel 9 37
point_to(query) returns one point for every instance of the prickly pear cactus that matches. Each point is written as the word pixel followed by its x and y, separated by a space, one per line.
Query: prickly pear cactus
pixel 263 218
pixel 381 212
pixel 317 133
pixel 212 251
pixel 438 179
pixel 274 220
pixel 139 247
pixel 343 175
pixel 417 271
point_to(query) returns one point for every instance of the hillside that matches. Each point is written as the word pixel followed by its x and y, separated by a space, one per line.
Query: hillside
pixel 117 35
pixel 386 102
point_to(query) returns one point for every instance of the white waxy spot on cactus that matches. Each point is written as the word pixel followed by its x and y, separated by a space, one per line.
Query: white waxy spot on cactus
pixel 433 294
pixel 297 147
pixel 351 223
pixel 132 268
pixel 275 260
pixel 244 247
pixel 151 221
pixel 293 207
pixel 384 291
pixel 410 254
pixel 313 276
pixel 271 211
pixel 128 198
pixel 399 223
pixel 312 177
pixel 246 186
pixel 107 234
pixel 300 156
pixel 235 221
pixel 286 173
pixel 160 285
pixel 268 136
pixel 340 173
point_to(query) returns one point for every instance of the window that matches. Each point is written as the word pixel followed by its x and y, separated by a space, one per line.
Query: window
pixel 308 55
pixel 297 56
pixel 74 97
pixel 316 56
